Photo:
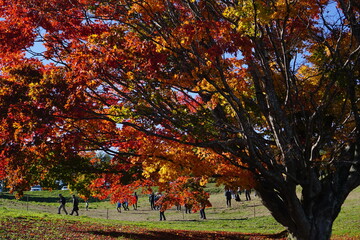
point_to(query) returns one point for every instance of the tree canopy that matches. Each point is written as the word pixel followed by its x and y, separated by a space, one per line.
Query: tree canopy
pixel 251 93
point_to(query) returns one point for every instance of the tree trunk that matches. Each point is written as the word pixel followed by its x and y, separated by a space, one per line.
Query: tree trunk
pixel 321 229
pixel 305 219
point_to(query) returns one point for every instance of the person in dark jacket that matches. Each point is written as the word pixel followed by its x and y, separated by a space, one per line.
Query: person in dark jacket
pixel 62 201
pixel 247 194
pixel 75 206
pixel 162 215
pixel 152 201
pixel 228 194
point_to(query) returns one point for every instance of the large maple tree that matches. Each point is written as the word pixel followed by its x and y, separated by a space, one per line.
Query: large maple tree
pixel 252 93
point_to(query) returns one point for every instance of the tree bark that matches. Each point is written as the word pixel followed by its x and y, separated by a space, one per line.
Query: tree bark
pixel 316 225
pixel 312 216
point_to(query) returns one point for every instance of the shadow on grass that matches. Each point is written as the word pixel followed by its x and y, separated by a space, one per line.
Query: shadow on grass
pixel 31 198
pixel 50 199
pixel 184 235
pixel 210 219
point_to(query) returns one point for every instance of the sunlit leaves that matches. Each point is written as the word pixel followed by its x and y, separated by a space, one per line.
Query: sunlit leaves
pixel 256 91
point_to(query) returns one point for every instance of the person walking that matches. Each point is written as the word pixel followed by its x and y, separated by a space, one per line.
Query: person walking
pixel 75 206
pixel 162 214
pixel 125 205
pixel 187 208
pixel 87 205
pixel 202 212
pixel 247 194
pixel 136 198
pixel 228 198
pixel 152 201
pixel 238 193
pixel 118 206
pixel 62 201
pixel 178 206
pixel 157 197
pixel 203 204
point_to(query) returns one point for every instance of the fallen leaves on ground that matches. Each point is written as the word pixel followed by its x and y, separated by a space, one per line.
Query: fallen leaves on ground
pixel 35 228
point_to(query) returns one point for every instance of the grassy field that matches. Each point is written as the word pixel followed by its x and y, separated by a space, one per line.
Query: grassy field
pixel 245 217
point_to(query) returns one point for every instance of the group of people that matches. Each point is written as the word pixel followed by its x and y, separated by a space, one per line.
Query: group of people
pixel 154 205
pixel 75 204
pixel 153 198
pixel 229 194
pixel 125 203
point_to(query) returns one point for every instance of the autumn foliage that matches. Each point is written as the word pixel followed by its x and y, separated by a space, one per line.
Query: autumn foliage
pixel 247 93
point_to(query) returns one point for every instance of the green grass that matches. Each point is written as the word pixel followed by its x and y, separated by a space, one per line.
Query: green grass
pixel 50 198
pixel 221 219
pixel 240 218
pixel 253 225
pixel 348 221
